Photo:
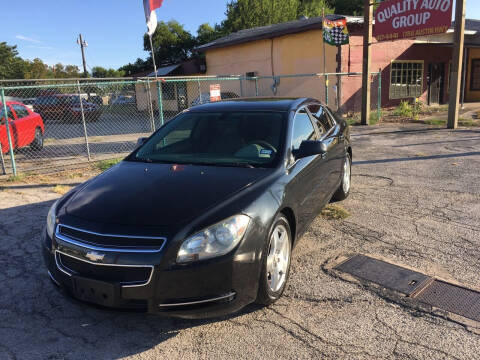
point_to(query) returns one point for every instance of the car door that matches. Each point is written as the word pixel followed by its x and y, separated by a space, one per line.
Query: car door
pixel 308 174
pixel 332 138
pixel 3 129
pixel 23 125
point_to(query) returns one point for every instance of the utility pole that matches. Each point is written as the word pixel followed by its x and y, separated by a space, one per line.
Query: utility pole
pixel 83 44
pixel 367 61
pixel 459 39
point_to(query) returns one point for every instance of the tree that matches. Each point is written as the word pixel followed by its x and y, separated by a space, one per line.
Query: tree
pixel 137 67
pixel 171 42
pixel 207 33
pixel 246 14
pixel 37 69
pixel 11 65
pixel 348 7
pixel 101 72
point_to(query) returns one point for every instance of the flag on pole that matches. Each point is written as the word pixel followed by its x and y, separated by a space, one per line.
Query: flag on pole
pixel 335 32
pixel 150 15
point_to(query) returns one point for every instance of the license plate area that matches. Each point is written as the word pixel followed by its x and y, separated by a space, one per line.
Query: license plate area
pixel 94 291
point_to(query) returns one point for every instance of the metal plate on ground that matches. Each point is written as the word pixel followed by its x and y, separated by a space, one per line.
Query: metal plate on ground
pixel 452 298
pixel 384 274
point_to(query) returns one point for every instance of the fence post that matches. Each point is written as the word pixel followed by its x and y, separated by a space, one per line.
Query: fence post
pixel 160 102
pixel 199 91
pixel 150 106
pixel 4 171
pixel 379 100
pixel 9 136
pixel 256 86
pixel 241 88
pixel 326 89
pixel 83 121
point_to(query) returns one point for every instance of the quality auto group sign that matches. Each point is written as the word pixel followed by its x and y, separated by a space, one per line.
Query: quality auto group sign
pixel 401 19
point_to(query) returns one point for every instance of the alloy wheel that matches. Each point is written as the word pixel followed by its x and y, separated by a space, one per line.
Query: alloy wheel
pixel 278 258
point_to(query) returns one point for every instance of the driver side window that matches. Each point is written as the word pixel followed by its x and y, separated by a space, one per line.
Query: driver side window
pixel 302 129
pixel 322 117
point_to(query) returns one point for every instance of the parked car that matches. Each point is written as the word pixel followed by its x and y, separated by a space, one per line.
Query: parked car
pixel 29 103
pixel 66 108
pixel 205 98
pixel 124 100
pixel 200 220
pixel 26 127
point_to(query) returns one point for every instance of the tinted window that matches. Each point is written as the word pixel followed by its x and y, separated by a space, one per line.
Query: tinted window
pixel 229 139
pixel 2 115
pixel 20 110
pixel 322 117
pixel 302 129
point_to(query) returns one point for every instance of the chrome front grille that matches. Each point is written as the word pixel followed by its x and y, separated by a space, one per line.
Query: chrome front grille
pixel 125 275
pixel 109 242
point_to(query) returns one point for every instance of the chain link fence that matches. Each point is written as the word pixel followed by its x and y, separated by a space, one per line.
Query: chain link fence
pixel 57 123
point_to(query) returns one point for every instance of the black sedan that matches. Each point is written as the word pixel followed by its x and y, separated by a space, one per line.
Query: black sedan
pixel 201 219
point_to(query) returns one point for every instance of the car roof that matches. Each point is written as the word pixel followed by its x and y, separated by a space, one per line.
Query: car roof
pixel 254 104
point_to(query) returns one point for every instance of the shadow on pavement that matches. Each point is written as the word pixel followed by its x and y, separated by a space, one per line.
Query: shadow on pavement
pixel 416 158
pixel 39 321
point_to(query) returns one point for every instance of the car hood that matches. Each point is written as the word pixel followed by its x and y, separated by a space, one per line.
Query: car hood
pixel 133 193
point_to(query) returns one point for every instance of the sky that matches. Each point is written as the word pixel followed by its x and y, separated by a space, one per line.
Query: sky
pixel 113 29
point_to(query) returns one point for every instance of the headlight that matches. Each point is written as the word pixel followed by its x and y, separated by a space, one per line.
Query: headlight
pixel 52 219
pixel 214 241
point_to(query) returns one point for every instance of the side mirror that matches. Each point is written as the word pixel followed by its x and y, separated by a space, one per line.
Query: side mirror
pixel 310 148
pixel 141 141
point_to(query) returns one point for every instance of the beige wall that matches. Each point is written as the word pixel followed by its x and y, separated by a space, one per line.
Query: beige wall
pixel 300 53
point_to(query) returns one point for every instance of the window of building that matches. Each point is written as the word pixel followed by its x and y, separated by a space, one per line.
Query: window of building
pixel 406 79
pixel 475 75
pixel 168 91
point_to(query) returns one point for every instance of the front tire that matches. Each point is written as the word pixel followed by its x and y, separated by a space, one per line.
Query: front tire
pixel 275 262
pixel 37 143
pixel 344 190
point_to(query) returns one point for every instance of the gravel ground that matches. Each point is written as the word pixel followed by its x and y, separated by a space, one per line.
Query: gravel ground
pixel 415 201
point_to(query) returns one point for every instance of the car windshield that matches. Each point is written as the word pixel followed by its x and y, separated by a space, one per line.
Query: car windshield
pixel 249 139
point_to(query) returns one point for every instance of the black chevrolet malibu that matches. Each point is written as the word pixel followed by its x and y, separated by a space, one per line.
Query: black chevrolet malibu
pixel 201 219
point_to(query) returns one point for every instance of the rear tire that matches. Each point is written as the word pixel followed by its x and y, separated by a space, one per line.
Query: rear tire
pixel 344 190
pixel 275 262
pixel 37 143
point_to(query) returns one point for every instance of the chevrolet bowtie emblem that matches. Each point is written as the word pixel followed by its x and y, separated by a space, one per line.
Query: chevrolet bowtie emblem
pixel 94 256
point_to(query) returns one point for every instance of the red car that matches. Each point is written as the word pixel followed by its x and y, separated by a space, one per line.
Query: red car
pixel 26 127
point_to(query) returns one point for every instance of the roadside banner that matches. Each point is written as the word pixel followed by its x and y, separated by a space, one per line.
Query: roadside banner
pixel 150 15
pixel 215 93
pixel 402 19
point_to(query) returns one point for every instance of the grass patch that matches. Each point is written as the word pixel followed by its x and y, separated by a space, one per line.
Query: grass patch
pixel 461 122
pixel 15 178
pixel 107 164
pixel 61 189
pixel 334 212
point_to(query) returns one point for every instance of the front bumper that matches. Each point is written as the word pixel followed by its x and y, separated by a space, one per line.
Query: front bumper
pixel 200 290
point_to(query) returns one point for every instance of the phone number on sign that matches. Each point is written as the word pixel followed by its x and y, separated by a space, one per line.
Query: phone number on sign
pixel 413 33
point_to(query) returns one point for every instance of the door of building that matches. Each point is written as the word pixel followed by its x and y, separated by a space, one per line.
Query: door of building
pixel 436 83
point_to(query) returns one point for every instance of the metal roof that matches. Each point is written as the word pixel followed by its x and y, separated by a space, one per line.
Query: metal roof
pixel 165 70
pixel 275 30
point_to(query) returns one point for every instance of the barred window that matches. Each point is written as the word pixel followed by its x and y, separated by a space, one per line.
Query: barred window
pixel 475 77
pixel 406 79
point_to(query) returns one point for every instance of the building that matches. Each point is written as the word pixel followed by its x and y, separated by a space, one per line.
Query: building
pixel 412 68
